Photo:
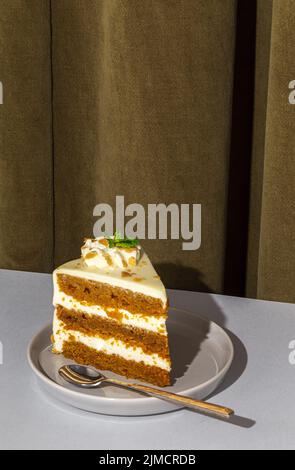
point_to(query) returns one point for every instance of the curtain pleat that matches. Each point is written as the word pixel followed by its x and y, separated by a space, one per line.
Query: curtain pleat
pixel 263 43
pixel 273 234
pixel 26 211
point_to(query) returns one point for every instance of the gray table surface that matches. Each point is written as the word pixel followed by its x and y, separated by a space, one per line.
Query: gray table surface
pixel 260 384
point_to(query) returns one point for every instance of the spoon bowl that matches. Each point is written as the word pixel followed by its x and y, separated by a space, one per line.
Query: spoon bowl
pixel 83 376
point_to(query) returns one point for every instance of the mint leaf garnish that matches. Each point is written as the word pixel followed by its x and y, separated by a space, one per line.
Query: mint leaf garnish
pixel 120 242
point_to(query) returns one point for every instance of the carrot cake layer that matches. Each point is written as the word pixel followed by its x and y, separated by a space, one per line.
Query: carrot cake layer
pixel 131 369
pixel 93 325
pixel 152 323
pixel 107 345
pixel 94 293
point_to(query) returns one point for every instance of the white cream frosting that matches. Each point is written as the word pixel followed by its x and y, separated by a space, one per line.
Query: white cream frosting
pixel 108 346
pixel 150 322
pixel 96 252
pixel 141 278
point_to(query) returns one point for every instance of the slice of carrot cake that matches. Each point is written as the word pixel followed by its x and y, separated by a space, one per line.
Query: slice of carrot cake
pixel 111 310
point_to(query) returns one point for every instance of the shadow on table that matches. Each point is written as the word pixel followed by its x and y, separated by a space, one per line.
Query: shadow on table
pixel 236 370
pixel 183 350
pixel 206 307
pixel 237 367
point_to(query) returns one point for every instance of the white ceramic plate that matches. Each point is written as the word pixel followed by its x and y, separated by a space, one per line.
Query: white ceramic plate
pixel 201 354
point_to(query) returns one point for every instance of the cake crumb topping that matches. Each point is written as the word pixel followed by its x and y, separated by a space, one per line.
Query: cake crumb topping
pixel 113 252
pixel 126 274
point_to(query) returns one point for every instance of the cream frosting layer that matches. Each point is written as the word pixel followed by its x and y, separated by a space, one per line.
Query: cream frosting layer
pixel 96 252
pixel 141 278
pixel 108 346
pixel 151 323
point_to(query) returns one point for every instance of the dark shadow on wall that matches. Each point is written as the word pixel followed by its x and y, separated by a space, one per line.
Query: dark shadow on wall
pixel 181 277
pixel 240 150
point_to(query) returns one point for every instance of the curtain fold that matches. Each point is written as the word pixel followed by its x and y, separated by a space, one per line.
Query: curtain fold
pixel 140 99
pixel 272 234
pixel 263 44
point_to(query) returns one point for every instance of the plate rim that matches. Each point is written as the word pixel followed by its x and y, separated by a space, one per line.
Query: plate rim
pixel 96 398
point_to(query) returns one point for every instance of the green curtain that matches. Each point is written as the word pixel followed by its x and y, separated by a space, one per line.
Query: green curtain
pixel 141 99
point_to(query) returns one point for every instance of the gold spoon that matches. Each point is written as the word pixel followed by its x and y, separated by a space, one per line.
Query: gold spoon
pixel 79 375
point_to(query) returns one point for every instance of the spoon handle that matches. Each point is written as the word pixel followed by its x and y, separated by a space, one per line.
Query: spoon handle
pixel 197 405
